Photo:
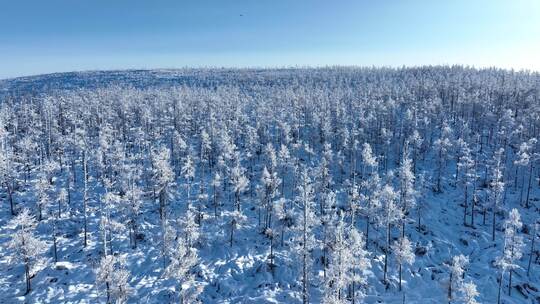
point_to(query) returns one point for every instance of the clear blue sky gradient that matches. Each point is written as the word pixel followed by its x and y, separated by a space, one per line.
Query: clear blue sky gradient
pixel 53 36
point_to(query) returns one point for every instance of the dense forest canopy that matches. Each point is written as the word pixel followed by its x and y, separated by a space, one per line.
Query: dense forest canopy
pixel 333 185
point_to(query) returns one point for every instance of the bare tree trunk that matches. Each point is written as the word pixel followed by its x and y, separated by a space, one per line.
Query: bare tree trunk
pixel 532 251
pixel 493 226
pixel 386 253
pixel 529 186
pixel 27 276
pixel 450 286
pixel 233 223
pixel 54 243
pixel 499 291
pixel 400 276
pixel 367 232
pixel 10 196
pixel 510 282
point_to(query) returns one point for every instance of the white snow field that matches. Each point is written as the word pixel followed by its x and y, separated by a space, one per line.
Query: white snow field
pixel 263 185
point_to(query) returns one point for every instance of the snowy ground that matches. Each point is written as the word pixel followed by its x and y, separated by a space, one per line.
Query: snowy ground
pixel 240 274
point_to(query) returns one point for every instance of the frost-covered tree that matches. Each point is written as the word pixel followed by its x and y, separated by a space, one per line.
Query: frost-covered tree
pixel 469 293
pixel 466 168
pixel 525 158
pixel 133 204
pixel 496 189
pixel 62 200
pixel 443 146
pixel 305 241
pixel 284 160
pixel 423 185
pixel 109 224
pixel 25 247
pixel 240 184
pixel 371 187
pixel 270 182
pixel 8 174
pixel 43 200
pixel 457 273
pixel 216 187
pixel 206 149
pixel 389 214
pixel 190 228
pixel 404 254
pixel 369 161
pixel 188 173
pixel 534 236
pixel 512 250
pixel 407 193
pixel 163 177
pixel 237 218
pixel 112 273
pixel 348 263
pixel 183 260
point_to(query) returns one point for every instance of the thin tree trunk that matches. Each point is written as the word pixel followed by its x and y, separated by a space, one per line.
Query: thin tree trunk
pixel 510 282
pixel 400 276
pixel 233 223
pixel 27 276
pixel 367 232
pixel 386 252
pixel 499 291
pixel 10 196
pixel 529 186
pixel 493 226
pixel 450 286
pixel 532 251
pixel 54 243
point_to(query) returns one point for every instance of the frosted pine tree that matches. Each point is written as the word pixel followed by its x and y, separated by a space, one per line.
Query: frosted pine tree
pixel 42 189
pixel 388 215
pixel 190 228
pixel 466 168
pixel 404 255
pixel 525 159
pixel 240 184
pixel 341 261
pixel 370 188
pixel 25 247
pixel 216 190
pixel 237 219
pixel 443 146
pixel 163 177
pixel 469 293
pixel 360 264
pixel 407 193
pixel 110 225
pixel 423 186
pixel 188 173
pixel 284 160
pixel 457 273
pixel 512 250
pixel 305 241
pixel 183 260
pixel 8 174
pixel 133 200
pixel 112 273
pixel 496 188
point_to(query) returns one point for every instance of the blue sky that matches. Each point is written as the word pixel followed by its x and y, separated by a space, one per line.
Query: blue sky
pixel 54 36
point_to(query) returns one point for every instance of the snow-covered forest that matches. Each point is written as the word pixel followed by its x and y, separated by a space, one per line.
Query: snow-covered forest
pixel 329 185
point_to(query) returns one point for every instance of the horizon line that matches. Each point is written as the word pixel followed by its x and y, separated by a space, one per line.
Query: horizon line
pixel 285 67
